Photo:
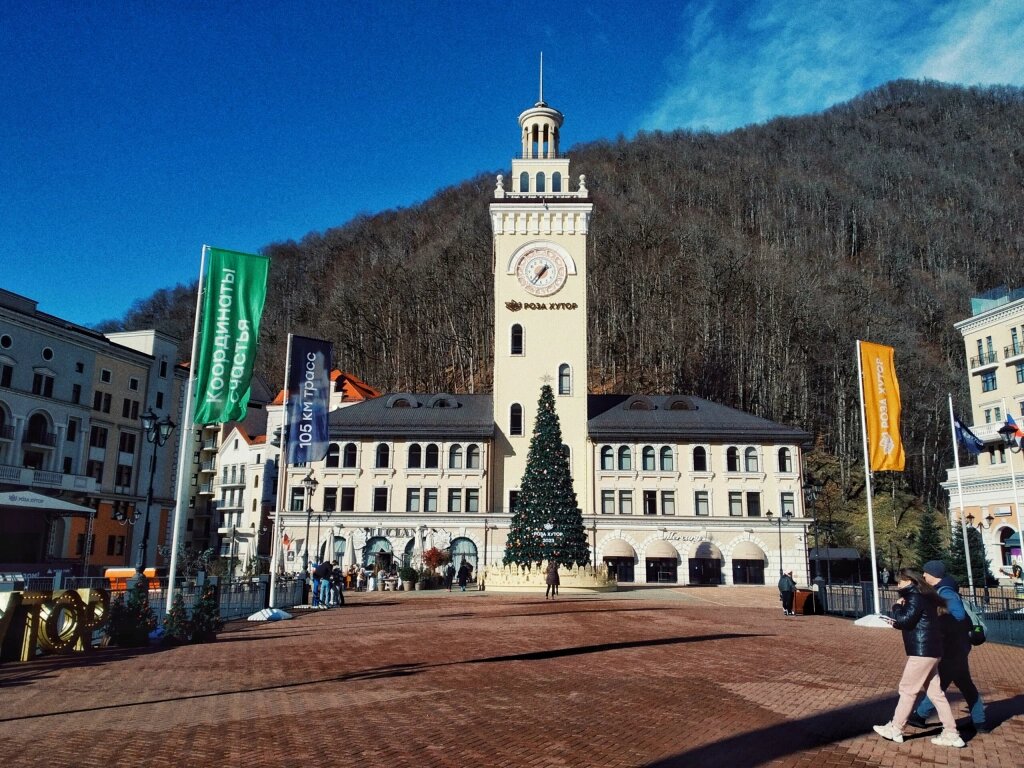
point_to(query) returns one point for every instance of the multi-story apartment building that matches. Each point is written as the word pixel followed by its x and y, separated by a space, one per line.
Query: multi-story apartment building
pixel 993 486
pixel 74 462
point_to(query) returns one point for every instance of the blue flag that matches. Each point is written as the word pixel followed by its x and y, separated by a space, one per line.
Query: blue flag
pixel 968 439
pixel 309 392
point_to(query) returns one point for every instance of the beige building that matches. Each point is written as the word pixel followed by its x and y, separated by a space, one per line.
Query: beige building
pixel 74 462
pixel 673 489
pixel 992 485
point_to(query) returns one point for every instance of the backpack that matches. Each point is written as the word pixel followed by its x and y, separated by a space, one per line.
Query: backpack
pixel 976 630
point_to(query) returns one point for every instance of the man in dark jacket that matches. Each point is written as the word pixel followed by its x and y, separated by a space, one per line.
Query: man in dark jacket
pixel 787 586
pixel 954 666
pixel 322 579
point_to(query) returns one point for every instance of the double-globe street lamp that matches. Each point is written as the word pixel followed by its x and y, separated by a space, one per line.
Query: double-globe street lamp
pixel 157 432
pixel 785 517
pixel 310 484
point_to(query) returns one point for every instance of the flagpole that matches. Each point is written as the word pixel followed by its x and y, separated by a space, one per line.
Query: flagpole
pixel 867 479
pixel 282 475
pixel 187 437
pixel 1013 480
pixel 960 492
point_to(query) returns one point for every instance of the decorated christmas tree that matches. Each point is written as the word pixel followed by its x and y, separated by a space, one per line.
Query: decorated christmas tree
pixel 177 627
pixel 546 522
pixel 131 617
pixel 206 621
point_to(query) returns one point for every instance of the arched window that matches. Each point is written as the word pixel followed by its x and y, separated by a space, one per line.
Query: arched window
pixel 524 182
pixel 700 459
pixel 415 456
pixel 732 459
pixel 556 182
pixel 540 182
pixel 564 379
pixel 473 457
pixel 667 463
pixel 625 458
pixel 349 457
pixel 607 458
pixel 433 459
pixel 383 456
pixel 515 419
pixel 333 455
pixel 750 459
pixel 254 505
pixel 455 457
pixel 516 347
pixel 648 458
pixel 785 460
pixel 567 452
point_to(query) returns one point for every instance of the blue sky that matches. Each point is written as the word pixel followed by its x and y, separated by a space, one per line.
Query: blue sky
pixel 133 133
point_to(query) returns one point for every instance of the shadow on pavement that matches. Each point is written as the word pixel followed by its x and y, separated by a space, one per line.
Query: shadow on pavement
pixel 791 736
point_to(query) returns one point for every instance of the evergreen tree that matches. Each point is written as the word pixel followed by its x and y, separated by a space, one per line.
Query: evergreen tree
pixel 546 523
pixel 131 617
pixel 206 621
pixel 928 544
pixel 957 563
pixel 177 627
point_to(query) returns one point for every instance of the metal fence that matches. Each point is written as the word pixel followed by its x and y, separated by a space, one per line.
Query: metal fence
pixel 238 599
pixel 1001 608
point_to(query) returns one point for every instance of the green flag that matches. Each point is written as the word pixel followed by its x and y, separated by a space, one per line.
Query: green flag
pixel 236 287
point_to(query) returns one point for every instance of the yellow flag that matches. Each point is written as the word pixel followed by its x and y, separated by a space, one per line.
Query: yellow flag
pixel 881 407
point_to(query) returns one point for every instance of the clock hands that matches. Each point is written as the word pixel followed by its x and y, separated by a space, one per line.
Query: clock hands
pixel 539 273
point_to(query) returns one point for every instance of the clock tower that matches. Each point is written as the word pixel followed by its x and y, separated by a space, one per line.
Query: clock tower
pixel 539 227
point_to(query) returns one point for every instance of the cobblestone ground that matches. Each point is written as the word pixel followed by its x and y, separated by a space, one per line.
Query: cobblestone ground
pixel 668 677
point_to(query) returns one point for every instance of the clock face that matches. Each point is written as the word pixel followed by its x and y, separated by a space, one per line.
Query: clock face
pixel 541 272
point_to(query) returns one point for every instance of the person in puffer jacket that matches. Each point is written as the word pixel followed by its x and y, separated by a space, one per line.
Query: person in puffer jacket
pixel 916 613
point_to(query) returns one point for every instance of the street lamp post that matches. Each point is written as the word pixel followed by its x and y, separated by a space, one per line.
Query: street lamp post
pixel 983 525
pixel 157 432
pixel 310 484
pixel 811 491
pixel 785 517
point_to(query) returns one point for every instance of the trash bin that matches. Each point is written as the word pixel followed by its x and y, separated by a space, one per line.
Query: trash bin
pixel 804 602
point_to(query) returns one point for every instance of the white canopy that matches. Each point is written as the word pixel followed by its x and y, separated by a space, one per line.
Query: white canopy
pixel 34 500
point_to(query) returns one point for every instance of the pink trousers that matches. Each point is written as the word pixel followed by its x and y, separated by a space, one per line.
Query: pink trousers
pixel 922 674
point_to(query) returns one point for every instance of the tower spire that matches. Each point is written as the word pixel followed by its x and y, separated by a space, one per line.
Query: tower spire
pixel 541 102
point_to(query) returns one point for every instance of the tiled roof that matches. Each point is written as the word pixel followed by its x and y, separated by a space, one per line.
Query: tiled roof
pixel 403 414
pixel 680 417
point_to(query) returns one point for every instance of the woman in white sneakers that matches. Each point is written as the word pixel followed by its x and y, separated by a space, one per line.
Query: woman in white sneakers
pixel 917 614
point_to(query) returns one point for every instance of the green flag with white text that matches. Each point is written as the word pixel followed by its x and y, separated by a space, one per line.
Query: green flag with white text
pixel 234 293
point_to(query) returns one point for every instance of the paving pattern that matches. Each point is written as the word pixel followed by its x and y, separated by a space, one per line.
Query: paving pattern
pixel 660 678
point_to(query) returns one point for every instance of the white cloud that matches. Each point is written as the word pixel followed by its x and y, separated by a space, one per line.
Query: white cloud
pixel 978 43
pixel 744 62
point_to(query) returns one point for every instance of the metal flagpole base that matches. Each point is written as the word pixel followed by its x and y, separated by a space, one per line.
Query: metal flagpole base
pixel 874 621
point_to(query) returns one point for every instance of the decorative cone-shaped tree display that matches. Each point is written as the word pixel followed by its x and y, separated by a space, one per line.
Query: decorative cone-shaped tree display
pixel 546 522
pixel 177 627
pixel 206 621
pixel 131 617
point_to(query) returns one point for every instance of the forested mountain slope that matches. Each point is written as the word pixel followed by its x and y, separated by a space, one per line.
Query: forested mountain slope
pixel 740 267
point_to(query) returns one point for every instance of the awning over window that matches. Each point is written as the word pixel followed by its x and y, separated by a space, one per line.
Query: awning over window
pixel 705 550
pixel 618 548
pixel 747 550
pixel 661 548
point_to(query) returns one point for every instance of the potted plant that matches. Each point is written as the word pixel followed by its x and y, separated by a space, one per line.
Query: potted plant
pixel 423 580
pixel 408 576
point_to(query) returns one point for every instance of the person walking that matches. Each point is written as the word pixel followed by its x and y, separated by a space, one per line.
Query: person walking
pixel 465 572
pixel 315 593
pixel 449 576
pixel 787 588
pixel 322 583
pixel 552 580
pixel 916 613
pixel 956 646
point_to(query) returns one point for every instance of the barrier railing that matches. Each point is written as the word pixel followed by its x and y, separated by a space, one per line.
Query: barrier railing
pixel 1001 608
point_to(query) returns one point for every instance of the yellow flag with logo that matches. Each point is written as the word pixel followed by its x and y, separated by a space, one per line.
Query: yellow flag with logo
pixel 881 407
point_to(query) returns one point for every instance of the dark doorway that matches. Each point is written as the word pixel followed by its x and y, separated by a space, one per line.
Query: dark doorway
pixel 705 570
pixel 748 571
pixel 620 568
pixel 662 570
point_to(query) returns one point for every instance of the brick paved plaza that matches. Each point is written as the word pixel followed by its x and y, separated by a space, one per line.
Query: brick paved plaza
pixel 666 677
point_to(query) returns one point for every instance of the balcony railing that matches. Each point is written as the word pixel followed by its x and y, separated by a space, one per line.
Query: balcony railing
pixel 1012 350
pixel 48 439
pixel 41 478
pixel 208 466
pixel 985 358
pixel 210 445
